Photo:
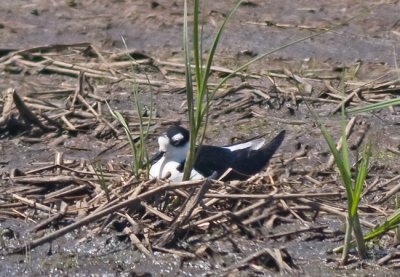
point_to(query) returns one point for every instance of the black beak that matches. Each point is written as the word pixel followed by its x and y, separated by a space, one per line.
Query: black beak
pixel 156 157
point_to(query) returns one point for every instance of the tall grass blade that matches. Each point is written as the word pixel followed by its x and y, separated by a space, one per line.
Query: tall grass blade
pixel 140 156
pixel 361 176
pixel 136 165
pixel 345 149
pixel 102 180
pixel 374 107
pixel 189 95
pixel 197 55
pixel 341 165
pixel 197 116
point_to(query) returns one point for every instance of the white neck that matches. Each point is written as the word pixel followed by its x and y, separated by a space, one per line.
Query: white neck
pixel 177 154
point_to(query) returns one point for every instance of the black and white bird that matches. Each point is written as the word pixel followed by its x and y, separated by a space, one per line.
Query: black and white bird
pixel 243 159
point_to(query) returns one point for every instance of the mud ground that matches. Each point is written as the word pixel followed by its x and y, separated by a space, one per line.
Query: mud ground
pixel 155 28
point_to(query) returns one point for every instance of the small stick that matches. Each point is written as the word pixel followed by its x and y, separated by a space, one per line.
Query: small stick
pixel 44 180
pixel 116 65
pixel 179 253
pixel 98 53
pixel 260 217
pixel 213 68
pixel 100 118
pixel 266 251
pixel 133 223
pixel 7 107
pixel 136 242
pixel 43 48
pixel 286 206
pixel 75 73
pixel 55 217
pixel 58 161
pixel 302 230
pixel 39 106
pixel 345 100
pixel 156 212
pixel 389 194
pixel 21 215
pixel 27 114
pixel 332 210
pixel 33 204
pixel 78 90
pixel 68 123
pixel 397 177
pixel 50 167
pixel 65 191
pixel 388 257
pixel 272 197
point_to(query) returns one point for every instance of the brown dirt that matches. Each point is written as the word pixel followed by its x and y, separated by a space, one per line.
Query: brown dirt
pixel 366 48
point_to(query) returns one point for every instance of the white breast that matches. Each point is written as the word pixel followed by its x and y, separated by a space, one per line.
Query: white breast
pixel 164 168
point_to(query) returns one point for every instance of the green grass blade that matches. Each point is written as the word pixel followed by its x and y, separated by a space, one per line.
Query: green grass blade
pixel 136 96
pixel 102 180
pixel 196 44
pixel 140 159
pixel 344 144
pixel 344 172
pixel 118 116
pixel 345 158
pixel 374 107
pixel 196 118
pixel 391 222
pixel 189 95
pixel 188 73
pixel 361 176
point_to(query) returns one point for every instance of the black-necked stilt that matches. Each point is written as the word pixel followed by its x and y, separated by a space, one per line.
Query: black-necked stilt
pixel 244 159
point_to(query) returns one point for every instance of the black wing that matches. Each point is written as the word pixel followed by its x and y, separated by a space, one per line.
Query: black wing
pixel 211 160
pixel 248 162
pixel 244 162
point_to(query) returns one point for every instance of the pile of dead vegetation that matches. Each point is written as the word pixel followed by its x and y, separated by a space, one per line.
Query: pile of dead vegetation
pixel 157 215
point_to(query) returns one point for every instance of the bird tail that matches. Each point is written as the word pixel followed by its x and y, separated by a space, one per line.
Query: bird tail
pixel 254 161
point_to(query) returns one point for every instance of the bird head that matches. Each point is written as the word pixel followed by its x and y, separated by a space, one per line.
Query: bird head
pixel 174 142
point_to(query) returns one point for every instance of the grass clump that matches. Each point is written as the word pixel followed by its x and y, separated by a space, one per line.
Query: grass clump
pixel 137 146
pixel 353 185
pixel 198 96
